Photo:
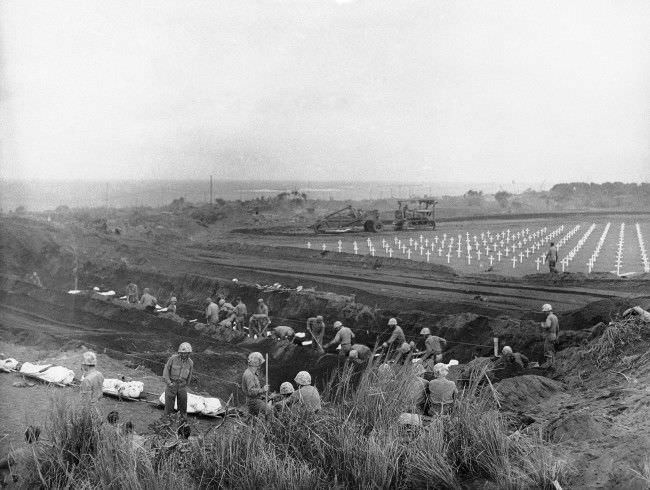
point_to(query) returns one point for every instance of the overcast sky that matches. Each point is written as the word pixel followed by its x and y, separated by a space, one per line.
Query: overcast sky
pixel 321 89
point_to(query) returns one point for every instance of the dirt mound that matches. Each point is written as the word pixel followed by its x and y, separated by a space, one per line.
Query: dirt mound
pixel 605 311
pixel 580 426
pixel 527 390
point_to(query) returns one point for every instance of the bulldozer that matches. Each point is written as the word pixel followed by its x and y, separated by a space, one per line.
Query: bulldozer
pixel 348 219
pixel 420 216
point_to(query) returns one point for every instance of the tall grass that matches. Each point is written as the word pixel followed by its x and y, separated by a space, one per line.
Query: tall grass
pixel 353 442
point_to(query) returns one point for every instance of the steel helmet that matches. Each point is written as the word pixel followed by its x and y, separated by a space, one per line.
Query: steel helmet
pixel 90 358
pixel 425 331
pixel 255 359
pixel 303 378
pixel 286 388
pixel 173 299
pixel 208 300
pixel 392 322
pixel 353 354
pixel 405 347
pixel 338 324
pixel 547 307
pixel 319 318
pixel 506 350
pixel 222 302
pixel 185 347
pixel 261 300
pixel 440 369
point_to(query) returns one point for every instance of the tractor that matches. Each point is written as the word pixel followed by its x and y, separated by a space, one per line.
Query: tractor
pixel 347 219
pixel 421 215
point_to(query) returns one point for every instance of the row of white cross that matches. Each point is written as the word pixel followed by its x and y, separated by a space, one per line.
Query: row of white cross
pixel 619 251
pixel 491 247
pixel 599 245
pixel 572 253
pixel 644 255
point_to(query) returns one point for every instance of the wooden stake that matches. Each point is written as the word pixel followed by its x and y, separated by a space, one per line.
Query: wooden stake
pixel 267 378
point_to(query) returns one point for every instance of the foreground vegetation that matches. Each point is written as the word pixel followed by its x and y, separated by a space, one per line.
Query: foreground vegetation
pixel 354 442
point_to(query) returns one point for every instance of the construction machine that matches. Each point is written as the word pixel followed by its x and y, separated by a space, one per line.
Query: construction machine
pixel 420 215
pixel 348 219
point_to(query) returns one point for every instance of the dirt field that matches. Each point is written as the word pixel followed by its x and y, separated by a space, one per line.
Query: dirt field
pixel 465 303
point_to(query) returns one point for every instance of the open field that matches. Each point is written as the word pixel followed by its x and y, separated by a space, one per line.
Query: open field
pixel 511 248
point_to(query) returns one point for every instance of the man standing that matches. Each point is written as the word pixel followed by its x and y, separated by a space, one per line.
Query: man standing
pixel 343 337
pixel 92 381
pixel 241 312
pixel 211 312
pixel 252 388
pixel 551 258
pixel 177 375
pixel 316 326
pixel 551 328
pixel 132 293
pixel 433 346
pixel 262 309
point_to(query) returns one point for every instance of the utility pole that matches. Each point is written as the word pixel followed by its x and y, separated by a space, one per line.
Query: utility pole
pixel 210 190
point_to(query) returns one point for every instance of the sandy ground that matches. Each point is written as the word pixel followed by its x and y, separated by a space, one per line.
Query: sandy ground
pixel 48 324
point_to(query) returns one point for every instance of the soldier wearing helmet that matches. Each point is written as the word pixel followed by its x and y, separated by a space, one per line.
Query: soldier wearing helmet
pixel 433 346
pixel 252 387
pixel 551 329
pixel 92 381
pixel 211 311
pixel 306 395
pixel 177 374
pixel 343 338
pixel 360 352
pixel 397 337
pixel 316 326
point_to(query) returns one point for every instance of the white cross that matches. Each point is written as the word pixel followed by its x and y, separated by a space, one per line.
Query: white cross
pixel 499 255
pixel 514 261
pixel 410 242
pixel 506 251
pixel 426 242
pixel 340 246
pixel 390 253
pixel 491 260
pixel 448 256
pixel 421 250
pixel 478 254
pixel 308 244
pixel 356 247
pixel 469 260
pixel 521 257
pixel 439 252
pixel 537 261
pixel 428 254
pixel 324 246
pixel 403 249
pixel 421 238
pixel 527 253
pixel 408 253
pixel 372 251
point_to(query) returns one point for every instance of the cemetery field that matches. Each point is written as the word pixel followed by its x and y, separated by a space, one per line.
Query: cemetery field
pixel 616 244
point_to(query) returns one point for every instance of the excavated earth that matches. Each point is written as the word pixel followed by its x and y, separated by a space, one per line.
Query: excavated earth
pixel 596 418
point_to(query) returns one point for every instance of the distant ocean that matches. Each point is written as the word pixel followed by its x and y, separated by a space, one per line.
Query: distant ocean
pixel 41 195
